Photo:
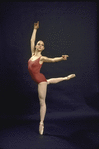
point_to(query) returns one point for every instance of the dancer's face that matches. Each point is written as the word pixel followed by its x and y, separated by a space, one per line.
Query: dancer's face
pixel 40 46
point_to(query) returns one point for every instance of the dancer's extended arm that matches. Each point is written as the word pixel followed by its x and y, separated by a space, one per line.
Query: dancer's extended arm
pixel 33 37
pixel 56 59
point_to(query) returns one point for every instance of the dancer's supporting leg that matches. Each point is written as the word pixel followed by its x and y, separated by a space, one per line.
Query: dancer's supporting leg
pixel 42 89
pixel 57 80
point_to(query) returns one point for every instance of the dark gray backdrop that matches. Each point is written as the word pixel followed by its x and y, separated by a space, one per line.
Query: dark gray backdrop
pixel 72 119
pixel 66 28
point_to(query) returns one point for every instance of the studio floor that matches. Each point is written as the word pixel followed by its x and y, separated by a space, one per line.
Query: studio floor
pixel 77 133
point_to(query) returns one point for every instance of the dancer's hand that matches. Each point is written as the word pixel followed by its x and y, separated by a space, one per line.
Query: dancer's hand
pixel 36 25
pixel 65 57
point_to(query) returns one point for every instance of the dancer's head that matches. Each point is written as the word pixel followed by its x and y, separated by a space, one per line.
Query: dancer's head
pixel 40 46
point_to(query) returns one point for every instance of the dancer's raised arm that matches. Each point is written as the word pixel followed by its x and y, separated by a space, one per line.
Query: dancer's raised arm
pixel 33 37
pixel 56 59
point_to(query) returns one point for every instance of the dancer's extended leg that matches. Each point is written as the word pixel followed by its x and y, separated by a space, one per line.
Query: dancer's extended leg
pixel 57 80
pixel 42 89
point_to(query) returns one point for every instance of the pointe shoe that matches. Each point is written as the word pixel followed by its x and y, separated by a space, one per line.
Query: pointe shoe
pixel 41 128
pixel 71 76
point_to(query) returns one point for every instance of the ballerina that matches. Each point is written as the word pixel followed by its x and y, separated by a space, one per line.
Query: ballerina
pixel 34 65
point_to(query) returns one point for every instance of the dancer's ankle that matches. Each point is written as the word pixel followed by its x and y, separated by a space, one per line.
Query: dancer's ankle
pixel 65 78
pixel 41 122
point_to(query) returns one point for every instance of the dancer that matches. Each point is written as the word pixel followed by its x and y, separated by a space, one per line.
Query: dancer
pixel 34 66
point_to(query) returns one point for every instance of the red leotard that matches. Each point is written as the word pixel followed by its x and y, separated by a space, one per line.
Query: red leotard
pixel 34 70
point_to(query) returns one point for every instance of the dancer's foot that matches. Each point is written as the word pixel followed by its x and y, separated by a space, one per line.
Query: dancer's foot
pixel 41 128
pixel 70 77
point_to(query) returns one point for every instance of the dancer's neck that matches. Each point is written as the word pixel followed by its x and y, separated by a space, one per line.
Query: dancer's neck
pixel 37 53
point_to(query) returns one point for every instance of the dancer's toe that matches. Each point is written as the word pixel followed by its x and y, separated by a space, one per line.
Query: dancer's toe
pixel 71 76
pixel 41 128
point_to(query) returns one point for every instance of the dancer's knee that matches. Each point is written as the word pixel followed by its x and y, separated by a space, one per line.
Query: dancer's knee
pixel 42 102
